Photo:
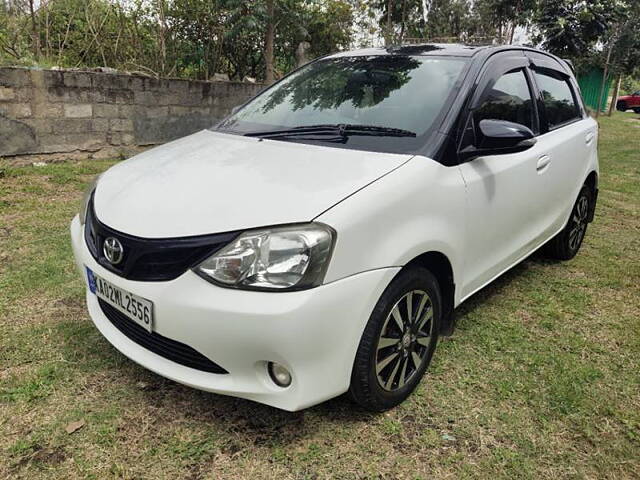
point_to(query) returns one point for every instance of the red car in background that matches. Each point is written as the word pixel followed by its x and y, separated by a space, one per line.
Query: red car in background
pixel 627 102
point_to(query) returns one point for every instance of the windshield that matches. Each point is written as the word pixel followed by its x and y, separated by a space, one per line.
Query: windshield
pixel 393 91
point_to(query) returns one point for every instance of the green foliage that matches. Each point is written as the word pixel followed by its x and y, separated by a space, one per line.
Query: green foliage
pixel 186 38
pixel 197 38
pixel 571 28
pixel 629 85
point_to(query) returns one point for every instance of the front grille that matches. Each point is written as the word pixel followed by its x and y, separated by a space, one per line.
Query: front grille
pixel 165 347
pixel 151 259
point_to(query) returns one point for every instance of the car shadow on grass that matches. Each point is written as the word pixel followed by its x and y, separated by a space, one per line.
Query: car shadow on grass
pixel 247 421
pixel 498 285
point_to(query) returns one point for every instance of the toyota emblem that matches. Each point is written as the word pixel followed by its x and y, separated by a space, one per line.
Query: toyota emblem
pixel 113 251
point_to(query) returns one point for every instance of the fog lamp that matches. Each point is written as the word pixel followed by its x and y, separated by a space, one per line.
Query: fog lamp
pixel 279 374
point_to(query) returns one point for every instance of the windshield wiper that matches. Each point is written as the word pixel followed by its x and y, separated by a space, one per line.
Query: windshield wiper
pixel 342 130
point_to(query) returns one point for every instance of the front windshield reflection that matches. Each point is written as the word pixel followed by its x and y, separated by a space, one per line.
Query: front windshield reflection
pixel 352 81
pixel 397 91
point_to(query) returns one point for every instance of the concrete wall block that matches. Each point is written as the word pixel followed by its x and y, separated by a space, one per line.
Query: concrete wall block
pixel 86 141
pixel 151 84
pixel 16 137
pixel 77 79
pixel 40 125
pixel 24 94
pixel 126 111
pixel 120 138
pixel 119 96
pixel 136 83
pixel 20 110
pixel 100 125
pixel 82 110
pixel 51 143
pixel 16 110
pixel 110 81
pixel 179 86
pixel 121 125
pixel 105 110
pixel 75 95
pixel 15 77
pixel 149 131
pixel 72 125
pixel 179 111
pixel 6 94
pixel 48 110
pixel 154 112
pixel 108 153
pixel 145 98
pixel 190 99
pixel 128 139
pixel 201 110
pixel 53 78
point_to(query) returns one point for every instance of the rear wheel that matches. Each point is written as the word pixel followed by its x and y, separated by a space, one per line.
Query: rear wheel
pixel 621 106
pixel 565 245
pixel 398 342
pixel 636 109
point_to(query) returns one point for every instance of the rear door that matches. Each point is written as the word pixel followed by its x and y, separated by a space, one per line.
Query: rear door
pixel 505 213
pixel 568 136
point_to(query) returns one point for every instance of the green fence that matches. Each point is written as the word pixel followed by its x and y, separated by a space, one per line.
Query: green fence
pixel 590 84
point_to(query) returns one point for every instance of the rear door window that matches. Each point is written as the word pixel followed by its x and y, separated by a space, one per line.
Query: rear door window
pixel 558 98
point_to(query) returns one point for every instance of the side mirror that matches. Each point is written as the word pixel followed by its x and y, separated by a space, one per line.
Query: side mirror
pixel 498 137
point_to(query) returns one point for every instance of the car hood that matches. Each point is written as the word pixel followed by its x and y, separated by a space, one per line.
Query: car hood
pixel 211 182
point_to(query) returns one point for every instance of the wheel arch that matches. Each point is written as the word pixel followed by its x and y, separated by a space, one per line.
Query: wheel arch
pixel 440 266
pixel 592 182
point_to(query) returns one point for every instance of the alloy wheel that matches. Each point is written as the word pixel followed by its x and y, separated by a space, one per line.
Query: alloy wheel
pixel 579 222
pixel 405 340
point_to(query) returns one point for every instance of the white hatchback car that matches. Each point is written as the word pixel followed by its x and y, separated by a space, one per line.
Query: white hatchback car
pixel 318 239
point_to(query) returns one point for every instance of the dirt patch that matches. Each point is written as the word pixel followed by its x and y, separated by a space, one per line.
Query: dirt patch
pixel 44 456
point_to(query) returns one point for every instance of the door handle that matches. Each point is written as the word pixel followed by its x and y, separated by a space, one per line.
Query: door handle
pixel 543 163
pixel 588 139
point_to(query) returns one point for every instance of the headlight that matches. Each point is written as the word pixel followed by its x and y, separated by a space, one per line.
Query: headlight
pixel 294 257
pixel 84 203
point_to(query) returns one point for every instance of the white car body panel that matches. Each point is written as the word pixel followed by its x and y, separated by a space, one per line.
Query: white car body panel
pixel 417 208
pixel 211 182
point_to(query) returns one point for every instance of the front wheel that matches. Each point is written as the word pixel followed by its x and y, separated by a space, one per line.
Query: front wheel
pixel 621 106
pixel 565 245
pixel 398 341
pixel 636 109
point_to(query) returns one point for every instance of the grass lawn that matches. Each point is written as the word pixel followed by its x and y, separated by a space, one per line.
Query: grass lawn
pixel 540 380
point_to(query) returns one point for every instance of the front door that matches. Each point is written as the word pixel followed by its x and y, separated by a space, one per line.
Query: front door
pixel 504 214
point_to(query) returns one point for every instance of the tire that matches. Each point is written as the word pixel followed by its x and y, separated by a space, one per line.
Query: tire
pixel 621 106
pixel 636 110
pixel 376 385
pixel 565 245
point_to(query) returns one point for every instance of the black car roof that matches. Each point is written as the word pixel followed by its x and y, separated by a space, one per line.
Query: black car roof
pixel 482 52
pixel 418 49
pixel 451 49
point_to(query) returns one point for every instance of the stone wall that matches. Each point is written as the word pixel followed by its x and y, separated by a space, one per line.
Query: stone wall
pixel 85 114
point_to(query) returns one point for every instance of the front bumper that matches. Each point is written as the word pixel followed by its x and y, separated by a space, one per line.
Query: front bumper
pixel 314 333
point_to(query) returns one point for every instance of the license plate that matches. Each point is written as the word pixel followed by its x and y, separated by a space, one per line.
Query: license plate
pixel 138 309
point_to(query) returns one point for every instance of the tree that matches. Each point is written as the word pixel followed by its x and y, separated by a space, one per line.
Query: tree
pixel 499 19
pixel 572 28
pixel 268 42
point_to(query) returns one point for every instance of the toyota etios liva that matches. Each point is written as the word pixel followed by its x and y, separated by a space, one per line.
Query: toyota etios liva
pixel 317 240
